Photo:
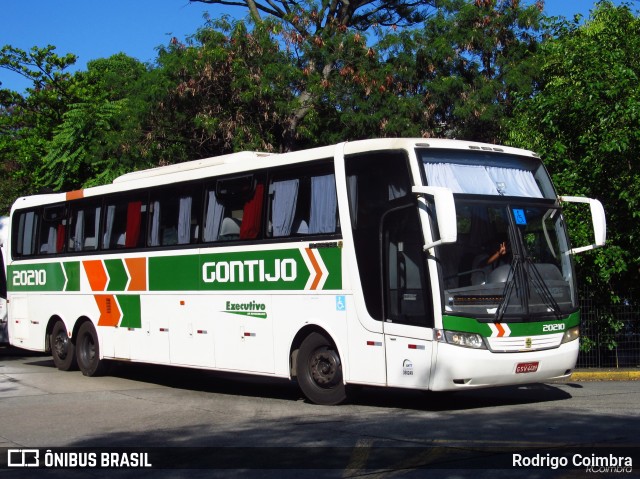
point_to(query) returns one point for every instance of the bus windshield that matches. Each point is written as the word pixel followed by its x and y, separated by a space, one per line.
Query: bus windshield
pixel 511 259
pixel 510 262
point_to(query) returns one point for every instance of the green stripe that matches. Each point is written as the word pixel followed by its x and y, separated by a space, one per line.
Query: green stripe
pixel 283 269
pixel 72 269
pixel 131 313
pixel 174 273
pixel 332 258
pixel 471 325
pixel 118 277
pixel 36 277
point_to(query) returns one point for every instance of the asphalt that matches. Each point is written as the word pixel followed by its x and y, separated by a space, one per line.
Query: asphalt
pixel 582 374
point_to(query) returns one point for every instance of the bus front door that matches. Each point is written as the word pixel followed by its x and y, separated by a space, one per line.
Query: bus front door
pixel 408 325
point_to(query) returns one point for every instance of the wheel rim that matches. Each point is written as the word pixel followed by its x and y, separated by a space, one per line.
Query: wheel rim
pixel 88 349
pixel 325 367
pixel 61 345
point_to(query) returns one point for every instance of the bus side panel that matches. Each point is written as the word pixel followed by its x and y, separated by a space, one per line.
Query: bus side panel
pixel 243 331
pixel 191 330
pixel 366 351
pixel 151 340
pixel 292 312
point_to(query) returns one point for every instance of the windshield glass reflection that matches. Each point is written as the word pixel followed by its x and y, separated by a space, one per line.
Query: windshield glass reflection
pixel 510 262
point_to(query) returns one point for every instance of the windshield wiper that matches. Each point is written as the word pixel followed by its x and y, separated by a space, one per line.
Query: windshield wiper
pixel 522 275
pixel 542 289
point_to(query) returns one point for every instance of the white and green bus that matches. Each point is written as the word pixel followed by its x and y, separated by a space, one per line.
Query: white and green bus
pixel 4 235
pixel 410 263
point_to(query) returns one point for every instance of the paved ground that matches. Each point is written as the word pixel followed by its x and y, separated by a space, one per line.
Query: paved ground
pixel 164 410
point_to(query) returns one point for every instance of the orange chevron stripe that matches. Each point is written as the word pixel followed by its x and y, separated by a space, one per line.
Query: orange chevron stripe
pixel 316 267
pixel 138 272
pixel 110 314
pixel 96 274
pixel 75 195
pixel 500 329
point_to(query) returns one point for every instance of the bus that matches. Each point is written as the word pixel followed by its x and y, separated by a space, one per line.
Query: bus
pixel 4 326
pixel 408 263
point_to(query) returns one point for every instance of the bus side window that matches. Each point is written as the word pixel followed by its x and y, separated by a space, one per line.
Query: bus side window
pixel 53 228
pixel 303 204
pixel 124 223
pixel 84 226
pixel 234 209
pixel 25 234
pixel 173 217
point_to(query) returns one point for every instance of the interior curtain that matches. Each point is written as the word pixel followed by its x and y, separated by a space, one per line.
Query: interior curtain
pixel 108 231
pixel 79 232
pixel 155 224
pixel 324 203
pixel 134 214
pixel 52 240
pixel 60 237
pixel 513 182
pixel 285 197
pixel 215 213
pixel 184 220
pixel 251 216
pixel 92 243
pixel 482 180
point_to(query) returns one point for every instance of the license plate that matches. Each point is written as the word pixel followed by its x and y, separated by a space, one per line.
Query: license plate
pixel 527 367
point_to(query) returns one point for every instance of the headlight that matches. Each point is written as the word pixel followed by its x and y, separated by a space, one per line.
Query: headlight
pixel 457 338
pixel 571 334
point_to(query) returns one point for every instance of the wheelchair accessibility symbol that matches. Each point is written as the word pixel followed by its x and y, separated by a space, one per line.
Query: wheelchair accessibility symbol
pixel 341 304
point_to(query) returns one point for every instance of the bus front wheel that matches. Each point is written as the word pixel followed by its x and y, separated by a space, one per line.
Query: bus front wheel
pixel 88 351
pixel 319 371
pixel 62 348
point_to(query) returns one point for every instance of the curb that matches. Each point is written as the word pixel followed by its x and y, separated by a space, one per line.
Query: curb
pixel 624 375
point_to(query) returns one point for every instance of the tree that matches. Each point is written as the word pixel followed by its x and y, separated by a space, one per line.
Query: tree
pixel 314 31
pixel 27 121
pixel 585 121
pixel 473 59
pixel 98 137
pixel 226 89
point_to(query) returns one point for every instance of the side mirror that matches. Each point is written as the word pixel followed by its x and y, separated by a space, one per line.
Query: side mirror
pixel 445 213
pixel 597 218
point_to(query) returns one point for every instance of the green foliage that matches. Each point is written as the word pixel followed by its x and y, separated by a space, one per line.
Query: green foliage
pixel 227 89
pixel 82 146
pixel 474 59
pixel 27 121
pixel 585 121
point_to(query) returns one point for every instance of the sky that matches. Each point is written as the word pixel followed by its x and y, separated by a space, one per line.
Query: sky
pixel 94 29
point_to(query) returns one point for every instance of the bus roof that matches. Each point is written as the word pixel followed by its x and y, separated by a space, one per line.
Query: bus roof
pixel 249 160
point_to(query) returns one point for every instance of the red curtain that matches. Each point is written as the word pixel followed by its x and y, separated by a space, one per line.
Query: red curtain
pixel 60 238
pixel 134 213
pixel 252 215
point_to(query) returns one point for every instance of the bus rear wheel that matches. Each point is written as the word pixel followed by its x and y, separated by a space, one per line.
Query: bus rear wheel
pixel 88 351
pixel 62 348
pixel 319 371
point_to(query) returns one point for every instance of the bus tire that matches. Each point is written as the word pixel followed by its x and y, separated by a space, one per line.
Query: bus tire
pixel 88 351
pixel 62 348
pixel 319 371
